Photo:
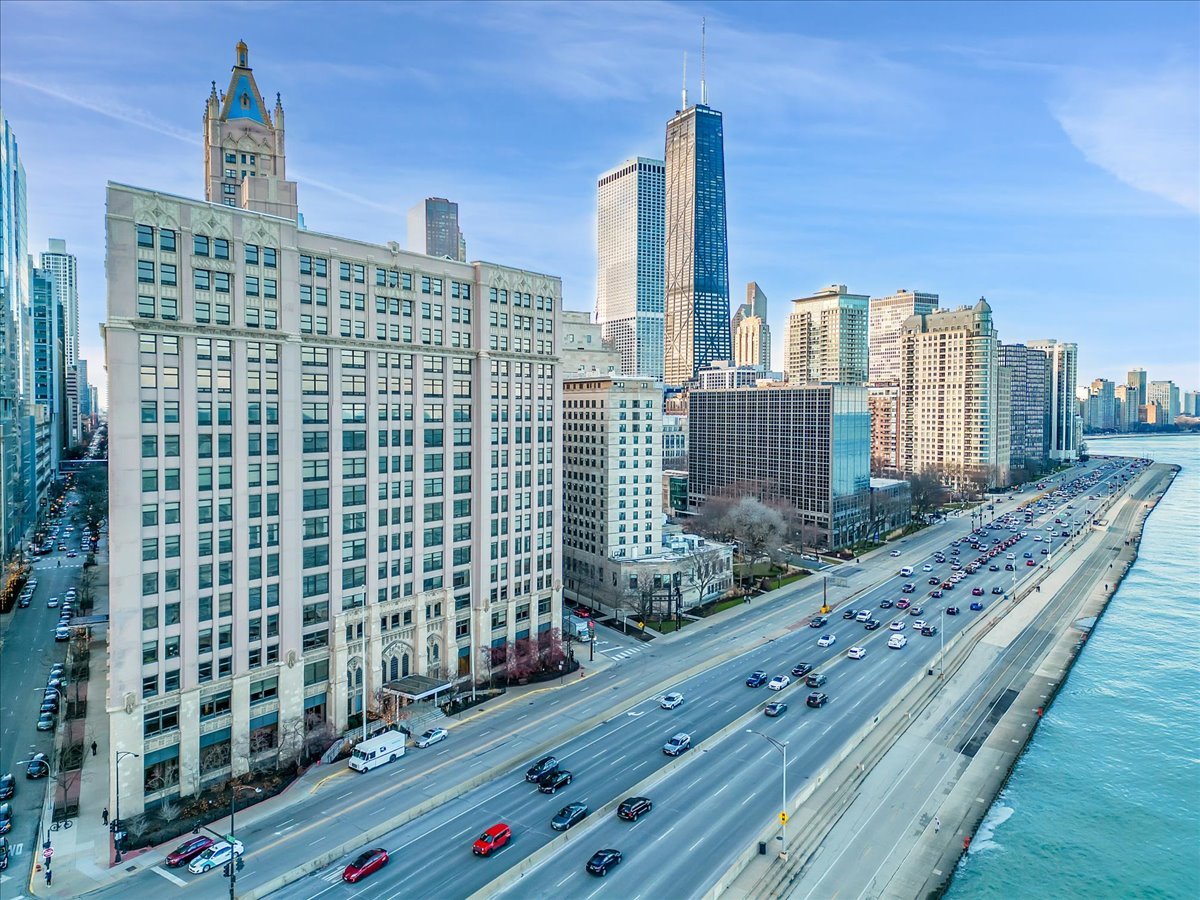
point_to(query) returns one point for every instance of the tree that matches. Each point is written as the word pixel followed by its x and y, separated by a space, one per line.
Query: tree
pixel 756 527
pixel 704 565
pixel 550 650
pixel 87 590
pixel 169 811
pixel 522 659
pixel 712 519
pixel 927 493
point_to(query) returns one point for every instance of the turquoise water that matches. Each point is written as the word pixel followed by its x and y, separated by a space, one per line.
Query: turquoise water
pixel 1105 801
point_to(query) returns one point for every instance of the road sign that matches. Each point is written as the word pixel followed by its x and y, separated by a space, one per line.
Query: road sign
pixel 47 853
pixel 783 818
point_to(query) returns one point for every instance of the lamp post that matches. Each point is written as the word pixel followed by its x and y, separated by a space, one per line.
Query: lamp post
pixel 942 654
pixel 233 856
pixel 781 746
pixel 119 831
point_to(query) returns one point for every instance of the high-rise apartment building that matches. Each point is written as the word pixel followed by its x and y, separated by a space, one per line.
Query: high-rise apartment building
pixel 1027 379
pixel 630 206
pixel 1136 379
pixel 827 338
pixel 721 376
pixel 1061 405
pixel 1126 406
pixel 1166 395
pixel 49 331
pixel 334 465
pixel 883 401
pixel 1101 405
pixel 64 269
pixel 949 398
pixel 14 343
pixel 750 331
pixel 696 259
pixel 433 229
pixel 1188 403
pixel 886 317
pixel 809 446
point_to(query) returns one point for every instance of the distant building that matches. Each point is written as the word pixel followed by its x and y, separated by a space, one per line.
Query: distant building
pixel 721 376
pixel 1027 383
pixel 433 229
pixel 64 270
pixel 1126 406
pixel 630 206
pixel 674 437
pixel 1166 395
pixel 1062 408
pixel 808 446
pixel 1189 403
pixel 826 338
pixel 675 492
pixel 751 333
pixel 49 331
pixel 584 349
pixel 1101 406
pixel 883 400
pixel 891 506
pixel 15 340
pixel 887 316
pixel 1136 379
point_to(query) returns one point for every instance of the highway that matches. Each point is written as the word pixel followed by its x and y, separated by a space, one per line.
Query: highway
pixel 432 853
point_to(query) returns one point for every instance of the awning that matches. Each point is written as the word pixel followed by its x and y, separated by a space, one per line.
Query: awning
pixel 417 687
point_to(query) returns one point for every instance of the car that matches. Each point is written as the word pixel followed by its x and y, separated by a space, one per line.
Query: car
pixel 919 624
pixel 492 839
pixel 52 603
pixel 431 737
pixel 818 622
pixel 1030 562
pixel 976 606
pixel 55 682
pixel 39 766
pixel 24 601
pixel 188 850
pixel 218 854
pixel 993 568
pixel 997 590
pixel 915 610
pixel 850 614
pixel 895 553
pixel 778 683
pixel 541 767
pixel 678 743
pixel 886 604
pixel 1045 552
pixel 898 625
pixel 62 633
pixel 952 610
pixel 775 708
pixel 947 585
pixel 71 554
pixel 1010 556
pixel 32 584
pixel 6 818
pixel 49 705
pixel 927 568
pixel 903 604
pixel 896 641
pixel 908 588
pixel 1008 567
pixel 364 864
pixel 633 808
pixel 3 853
pixel 71 593
pixel 553 780
pixel 815 680
pixel 937 593
pixel 571 814
pixel 1028 554
pixel 856 652
pixel 977 592
pixel 46 721
pixel 602 861
pixel 8 786
pixel 827 640
pixel 929 631
pixel 801 669
pixel 817 699
pixel 672 700
pixel 62 546
pixel 864 616
pixel 872 624
pixel 757 679
pixel 934 580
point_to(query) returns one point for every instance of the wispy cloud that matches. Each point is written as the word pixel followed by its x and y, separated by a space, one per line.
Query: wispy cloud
pixel 1144 128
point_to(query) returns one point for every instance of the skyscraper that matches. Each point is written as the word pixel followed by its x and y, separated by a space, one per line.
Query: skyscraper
pixel 1101 405
pixel 1166 395
pixel 629 263
pixel 827 338
pixel 63 268
pixel 696 301
pixel 1061 406
pixel 433 229
pixel 1136 379
pixel 751 333
pixel 1027 380
pixel 887 317
pixel 49 331
pixel 14 332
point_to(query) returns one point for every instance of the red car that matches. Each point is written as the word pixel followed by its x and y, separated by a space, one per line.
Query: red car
pixel 492 839
pixel 188 850
pixel 977 592
pixel 364 864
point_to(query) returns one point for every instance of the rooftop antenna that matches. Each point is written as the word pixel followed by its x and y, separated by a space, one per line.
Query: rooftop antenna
pixel 703 86
pixel 684 80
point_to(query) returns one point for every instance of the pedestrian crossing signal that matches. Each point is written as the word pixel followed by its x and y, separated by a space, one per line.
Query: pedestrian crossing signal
pixel 783 817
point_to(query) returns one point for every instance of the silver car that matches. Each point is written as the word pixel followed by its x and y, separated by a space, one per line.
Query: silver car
pixel 431 737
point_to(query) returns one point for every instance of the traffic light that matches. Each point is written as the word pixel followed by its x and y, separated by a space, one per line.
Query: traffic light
pixel 240 864
pixel 228 870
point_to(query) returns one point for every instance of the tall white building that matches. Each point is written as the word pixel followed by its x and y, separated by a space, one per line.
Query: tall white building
pixel 887 318
pixel 1061 406
pixel 333 468
pixel 827 338
pixel 751 333
pixel 62 268
pixel 629 262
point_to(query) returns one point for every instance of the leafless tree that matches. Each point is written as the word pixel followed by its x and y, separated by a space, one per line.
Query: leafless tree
pixel 928 492
pixel 704 566
pixel 169 811
pixel 756 527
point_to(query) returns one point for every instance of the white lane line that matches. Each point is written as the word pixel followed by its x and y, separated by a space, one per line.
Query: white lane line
pixel 718 793
pixel 565 880
pixel 167 875
pixel 665 833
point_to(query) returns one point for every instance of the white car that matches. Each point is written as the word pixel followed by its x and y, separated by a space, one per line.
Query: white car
pixel 432 736
pixel 856 652
pixel 778 683
pixel 898 625
pixel 216 855
pixel 919 624
pixel 895 553
pixel 896 641
pixel 927 568
pixel 1010 555
pixel 52 603
pixel 827 640
pixel 863 616
pixel 671 701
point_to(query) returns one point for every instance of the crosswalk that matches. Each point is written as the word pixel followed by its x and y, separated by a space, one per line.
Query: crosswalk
pixel 618 651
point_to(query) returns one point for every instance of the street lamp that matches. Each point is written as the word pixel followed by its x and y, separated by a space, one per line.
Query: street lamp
pixel 233 856
pixel 119 832
pixel 781 746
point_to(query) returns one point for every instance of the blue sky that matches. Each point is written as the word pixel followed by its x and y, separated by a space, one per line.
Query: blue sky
pixel 1046 156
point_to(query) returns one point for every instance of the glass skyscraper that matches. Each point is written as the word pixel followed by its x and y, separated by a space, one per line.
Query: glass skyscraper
pixel 697 253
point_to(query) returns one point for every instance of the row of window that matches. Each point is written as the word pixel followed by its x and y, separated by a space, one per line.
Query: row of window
pixel 202 245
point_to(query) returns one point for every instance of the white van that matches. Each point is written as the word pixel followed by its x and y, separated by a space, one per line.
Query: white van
pixel 383 748
pixel 906 571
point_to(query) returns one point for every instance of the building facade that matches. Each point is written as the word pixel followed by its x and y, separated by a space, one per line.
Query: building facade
pixel 49 380
pixel 827 338
pixel 433 229
pixel 883 401
pixel 887 316
pixel 1028 381
pixel 808 446
pixel 583 347
pixel 674 437
pixel 1101 406
pixel 333 464
pixel 696 257
pixel 14 343
pixel 1062 408
pixel 630 205
pixel 1166 395
pixel 1136 379
pixel 949 398
pixel 750 331
pixel 721 376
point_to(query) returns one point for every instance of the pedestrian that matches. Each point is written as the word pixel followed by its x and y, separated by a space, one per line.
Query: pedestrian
pixel 93 748
pixel 104 816
pixel 937 824
pixel 49 877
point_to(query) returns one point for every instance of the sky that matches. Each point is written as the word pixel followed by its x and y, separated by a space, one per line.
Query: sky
pixel 1045 156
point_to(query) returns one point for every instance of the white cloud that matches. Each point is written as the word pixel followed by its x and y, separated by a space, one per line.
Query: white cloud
pixel 1142 128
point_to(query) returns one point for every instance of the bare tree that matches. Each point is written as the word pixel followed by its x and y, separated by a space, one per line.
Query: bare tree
pixel 169 811
pixel 756 527
pixel 704 566
pixel 928 492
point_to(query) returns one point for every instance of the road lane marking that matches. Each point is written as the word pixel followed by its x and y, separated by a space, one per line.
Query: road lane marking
pixel 167 875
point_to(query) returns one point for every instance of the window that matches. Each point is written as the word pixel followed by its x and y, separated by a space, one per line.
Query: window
pixel 145 236
pixel 252 254
pixel 200 245
pixel 161 721
pixel 145 271
pixel 264 690
pixel 220 248
pixel 269 258
pixel 215 705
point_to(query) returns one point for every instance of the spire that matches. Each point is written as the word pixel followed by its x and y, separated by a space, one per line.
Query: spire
pixel 242 59
pixel 684 105
pixel 703 85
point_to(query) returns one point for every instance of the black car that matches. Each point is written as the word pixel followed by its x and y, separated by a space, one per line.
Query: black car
pixel 3 853
pixel 801 670
pixel 757 679
pixel 933 580
pixel 1008 567
pixel 541 767
pixel 815 680
pixel 553 780
pixel 871 624
pixel 818 622
pixel 993 568
pixel 887 604
pixel 997 590
pixel 632 808
pixel 929 630
pixel 8 786
pixel 602 861
pixel 817 699
pixel 776 708
pixel 5 818
pixel 850 614
pixel 571 814
pixel 952 610
pixel 39 766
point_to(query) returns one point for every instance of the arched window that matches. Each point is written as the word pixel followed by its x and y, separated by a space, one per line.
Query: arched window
pixel 395 668
pixel 404 665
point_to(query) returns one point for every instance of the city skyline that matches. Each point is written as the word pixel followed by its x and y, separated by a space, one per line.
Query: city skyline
pixel 1009 154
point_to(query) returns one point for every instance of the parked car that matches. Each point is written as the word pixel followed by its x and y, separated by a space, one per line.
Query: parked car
pixel 816 699
pixel 62 633
pixel 52 603
pixel 188 850
pixel 431 737
pixel 633 808
pixel 602 861
pixel 775 708
pixel 217 855
pixel 553 780
pixel 541 767
pixel 677 744
pixel 492 839
pixel 8 786
pixel 39 766
pixel 46 721
pixel 364 864
pixel 571 814
pixel 6 818
pixel 672 700
pixel 3 853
